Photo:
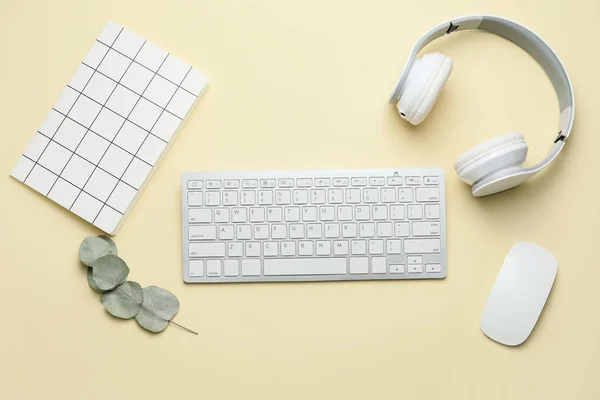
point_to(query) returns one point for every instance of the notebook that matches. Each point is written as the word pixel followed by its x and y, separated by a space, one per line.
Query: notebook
pixel 111 125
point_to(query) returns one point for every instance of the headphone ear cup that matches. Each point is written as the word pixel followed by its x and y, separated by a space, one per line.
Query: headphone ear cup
pixel 508 150
pixel 423 87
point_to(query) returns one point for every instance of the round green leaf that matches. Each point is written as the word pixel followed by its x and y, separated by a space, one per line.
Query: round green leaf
pixel 94 247
pixel 124 301
pixel 91 280
pixel 158 307
pixel 109 271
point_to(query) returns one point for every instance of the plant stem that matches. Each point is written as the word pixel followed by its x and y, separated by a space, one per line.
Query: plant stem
pixel 183 327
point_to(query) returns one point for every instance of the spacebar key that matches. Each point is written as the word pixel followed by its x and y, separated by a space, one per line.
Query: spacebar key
pixel 305 266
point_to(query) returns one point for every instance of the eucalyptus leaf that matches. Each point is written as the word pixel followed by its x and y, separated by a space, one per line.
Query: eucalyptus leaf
pixel 91 280
pixel 124 301
pixel 158 308
pixel 109 271
pixel 94 247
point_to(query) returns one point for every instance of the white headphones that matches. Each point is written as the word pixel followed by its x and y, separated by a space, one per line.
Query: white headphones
pixel 495 165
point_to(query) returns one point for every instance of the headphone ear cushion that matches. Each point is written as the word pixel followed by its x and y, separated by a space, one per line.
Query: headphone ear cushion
pixel 424 85
pixel 500 152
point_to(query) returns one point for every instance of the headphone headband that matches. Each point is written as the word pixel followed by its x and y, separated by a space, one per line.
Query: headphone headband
pixel 528 41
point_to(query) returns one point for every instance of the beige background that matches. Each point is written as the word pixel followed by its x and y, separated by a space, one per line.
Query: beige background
pixel 304 84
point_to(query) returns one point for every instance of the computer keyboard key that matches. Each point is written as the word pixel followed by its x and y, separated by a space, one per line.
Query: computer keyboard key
pixel 249 183
pixel 221 215
pixel 413 180
pixel 212 198
pixel 336 196
pixel 314 231
pixel 296 231
pixel 265 197
pixel 340 247
pixel 401 229
pixel 257 214
pixel 397 212
pixel 415 211
pixel 274 214
pixel 429 194
pixel 415 268
pixel 288 248
pixel 388 195
pixel 202 232
pixel 432 268
pixel 283 197
pixel 194 199
pixel 244 232
pixel 394 246
pixel 405 195
pixel 323 247
pixel 230 198
pixel 359 247
pixel 206 249
pixel 431 180
pixel 251 267
pixel 370 195
pixel 396 269
pixel 362 213
pixel 432 211
pixel 267 183
pixel 239 215
pixel 317 196
pixel 196 267
pixel 199 215
pixel 286 182
pixel 332 230
pixel 226 232
pixel 367 229
pixel 423 246
pixel 426 228
pixel 270 249
pixel 231 268
pixel 384 229
pixel 349 230
pixel 310 214
pixel 305 266
pixel 248 197
pixel 304 182
pixel 377 181
pixel 359 181
pixel 341 182
pixel 414 259
pixel 252 249
pixel 261 231
pixel 380 212
pixel 278 231
pixel 378 265
pixel 395 181
pixel 194 185
pixel 376 246
pixel 305 248
pixel 322 182
pixel 300 196
pixel 235 249
pixel 344 213
pixel 327 213
pixel 291 214
pixel 232 183
pixel 213 268
pixel 213 184
pixel 359 265
pixel 353 196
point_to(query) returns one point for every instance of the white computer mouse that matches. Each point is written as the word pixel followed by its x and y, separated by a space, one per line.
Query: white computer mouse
pixel 519 294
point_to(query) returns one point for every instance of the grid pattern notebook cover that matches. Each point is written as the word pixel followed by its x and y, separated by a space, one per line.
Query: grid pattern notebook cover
pixel 110 127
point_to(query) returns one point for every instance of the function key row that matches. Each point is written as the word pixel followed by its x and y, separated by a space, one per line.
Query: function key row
pixel 270 183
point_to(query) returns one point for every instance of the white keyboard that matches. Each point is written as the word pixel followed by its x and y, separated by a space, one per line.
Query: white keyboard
pixel 265 226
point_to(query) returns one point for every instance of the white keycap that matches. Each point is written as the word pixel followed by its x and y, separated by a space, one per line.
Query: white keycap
pixel 332 230
pixel 317 196
pixel 199 215
pixel 395 181
pixel 244 232
pixel 431 180
pixel 388 195
pixel 213 268
pixel 239 215
pixel 344 213
pixel 274 214
pixel 358 181
pixel 194 185
pixel 305 248
pixel 226 232
pixel 309 214
pixel 377 181
pixel 359 265
pixel 221 215
pixel 380 212
pixel 431 268
pixel 384 229
pixel 401 229
pixel 397 212
pixel 415 211
pixel 231 268
pixel 413 180
pixel 194 198
pixel 422 246
pixel 426 228
pixel 291 214
pixel 278 231
pixel 267 183
pixel 323 247
pixel 235 249
pixel 261 231
pixel 362 213
pixel 370 195
pixel 283 197
pixel 252 249
pixel 414 259
pixel 367 229
pixel 231 183
pixel 213 184
pixel 202 232
pixel 248 197
pixel 304 182
pixel 251 267
pixel 359 247
pixel 230 198
pixel 378 265
pixel 397 268
pixel 405 195
pixel 340 247
pixel 288 248
pixel 428 194
pixel 305 266
pixel 376 246
pixel 265 197
pixel 322 182
pixel 327 213
pixel 340 182
pixel 212 198
pixel 257 214
pixel 300 196
pixel 286 182
pixel 270 249
pixel 210 249
pixel 196 267
pixel 353 196
pixel 432 211
pixel 349 230
pixel 249 183
pixel 314 231
pixel 415 268
pixel 296 231
pixel 336 196
pixel 394 246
